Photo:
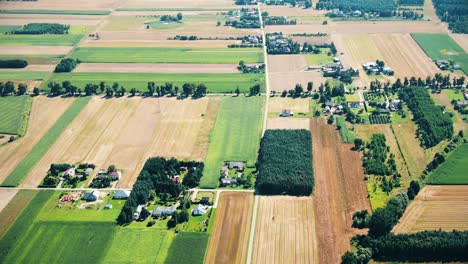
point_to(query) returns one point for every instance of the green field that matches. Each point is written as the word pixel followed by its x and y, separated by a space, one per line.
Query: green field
pixel 169 55
pixel 188 248
pixel 319 59
pixel 5 29
pixel 235 137
pixel 170 9
pixel 36 153
pixel 442 46
pixel 55 12
pixel 22 75
pixel 453 170
pixel 148 245
pixel 40 40
pixel 216 82
pixel 347 136
pixel 14 208
pixel 14 115
pixel 454 95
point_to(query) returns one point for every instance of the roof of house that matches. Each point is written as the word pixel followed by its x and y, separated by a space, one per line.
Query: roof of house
pixel 238 164
pixel 70 172
pixel 200 209
pixel 139 208
pixel 94 194
pixel 122 193
pixel 114 174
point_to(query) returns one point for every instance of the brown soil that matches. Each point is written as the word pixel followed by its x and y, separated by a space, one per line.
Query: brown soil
pixel 45 111
pixel 229 240
pixel 436 207
pixel 26 50
pixel 280 81
pixel 5 197
pixel 286 231
pixel 203 139
pixel 157 68
pixel 297 105
pixel 288 123
pixel 287 63
pixel 340 190
pixel 462 40
pixel 162 43
pixel 14 208
pixel 60 5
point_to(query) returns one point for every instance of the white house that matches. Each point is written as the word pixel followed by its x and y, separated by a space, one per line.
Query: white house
pixel 122 194
pixel 200 209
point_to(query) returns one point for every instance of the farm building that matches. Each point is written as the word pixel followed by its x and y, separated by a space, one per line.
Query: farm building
pixel 91 196
pixel 443 64
pixel 200 209
pixel 387 71
pixel 138 210
pixel 286 113
pixel 70 173
pixel 114 175
pixel 122 194
pixel 164 211
pixel 462 103
pixel 88 171
pixel 225 171
pixel 239 165
pixel 228 181
pixel 205 200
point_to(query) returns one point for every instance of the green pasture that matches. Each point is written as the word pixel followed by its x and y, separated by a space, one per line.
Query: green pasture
pixel 454 94
pixel 442 46
pixel 22 75
pixel 216 82
pixel 40 40
pixel 169 55
pixel 14 115
pixel 319 59
pixel 188 247
pixel 453 170
pixel 347 136
pixel 55 12
pixel 235 137
pixel 36 153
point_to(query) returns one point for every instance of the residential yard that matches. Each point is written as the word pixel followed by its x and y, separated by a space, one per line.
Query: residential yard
pixel 36 153
pixel 236 136
pixel 169 55
pixel 215 82
pixel 15 114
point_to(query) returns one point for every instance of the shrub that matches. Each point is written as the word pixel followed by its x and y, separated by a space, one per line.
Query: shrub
pixel 66 65
pixel 43 28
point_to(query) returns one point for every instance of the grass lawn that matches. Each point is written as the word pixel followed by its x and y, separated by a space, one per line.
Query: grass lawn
pixel 148 245
pixel 18 230
pixel 453 170
pixel 40 40
pixel 169 55
pixel 36 153
pixel 55 12
pixel 377 197
pixel 15 114
pixel 353 97
pixel 347 136
pixel 442 46
pixel 22 75
pixel 216 82
pixel 235 137
pixel 319 59
pixel 188 248
pixel 454 94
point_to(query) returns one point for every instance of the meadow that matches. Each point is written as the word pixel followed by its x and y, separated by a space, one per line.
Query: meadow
pixel 22 75
pixel 15 114
pixel 188 247
pixel 453 170
pixel 40 40
pixel 36 153
pixel 216 82
pixel 347 136
pixel 442 46
pixel 169 55
pixel 236 136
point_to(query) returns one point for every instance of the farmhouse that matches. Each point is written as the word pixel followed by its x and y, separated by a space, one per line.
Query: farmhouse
pixel 122 194
pixel 114 175
pixel 164 211
pixel 286 113
pixel 88 171
pixel 228 181
pixel 200 209
pixel 91 196
pixel 225 171
pixel 70 173
pixel 443 64
pixel 239 165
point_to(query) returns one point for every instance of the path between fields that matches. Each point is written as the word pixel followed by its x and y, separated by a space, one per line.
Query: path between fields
pixel 252 230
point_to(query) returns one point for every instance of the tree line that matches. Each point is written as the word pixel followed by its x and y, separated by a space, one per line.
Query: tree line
pixel 9 88
pixel 454 12
pixel 66 65
pixel 42 28
pixel 13 64
pixel 384 8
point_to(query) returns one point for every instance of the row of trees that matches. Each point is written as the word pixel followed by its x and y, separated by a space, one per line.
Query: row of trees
pixel 454 12
pixel 9 88
pixel 384 8
pixel 13 64
pixel 284 163
pixel 176 18
pixel 42 28
pixel 411 2
pixel 155 180
pixel 433 124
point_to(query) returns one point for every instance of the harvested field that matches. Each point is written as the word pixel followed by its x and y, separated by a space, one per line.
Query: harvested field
pixel 287 63
pixel 286 231
pixel 340 190
pixel 229 239
pixel 5 197
pixel 27 50
pixel 386 27
pixel 157 68
pixel 60 5
pixel 178 4
pixel 13 207
pixel 436 207
pixel 45 112
pixel 288 123
pixel 308 13
pixel 462 40
pixel 22 19
pixel 404 56
pixel 127 127
pixel 297 105
pixel 280 81
pixel 311 40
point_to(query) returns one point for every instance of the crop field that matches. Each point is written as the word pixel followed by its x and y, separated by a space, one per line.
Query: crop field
pixel 288 123
pixel 442 46
pixel 58 5
pixel 22 75
pixel 169 55
pixel 286 231
pixel 178 5
pixel 436 207
pixel 13 207
pixel 236 136
pixel 194 245
pixel 157 68
pixel 44 113
pixel 229 239
pixel 40 40
pixel 15 114
pixel 340 190
pixel 216 82
pixel 42 146
pixel 347 136
pixel 130 127
pixel 453 169
pixel 5 196
pixel 297 105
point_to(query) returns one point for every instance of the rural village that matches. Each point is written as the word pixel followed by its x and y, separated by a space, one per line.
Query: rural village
pixel 234 131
